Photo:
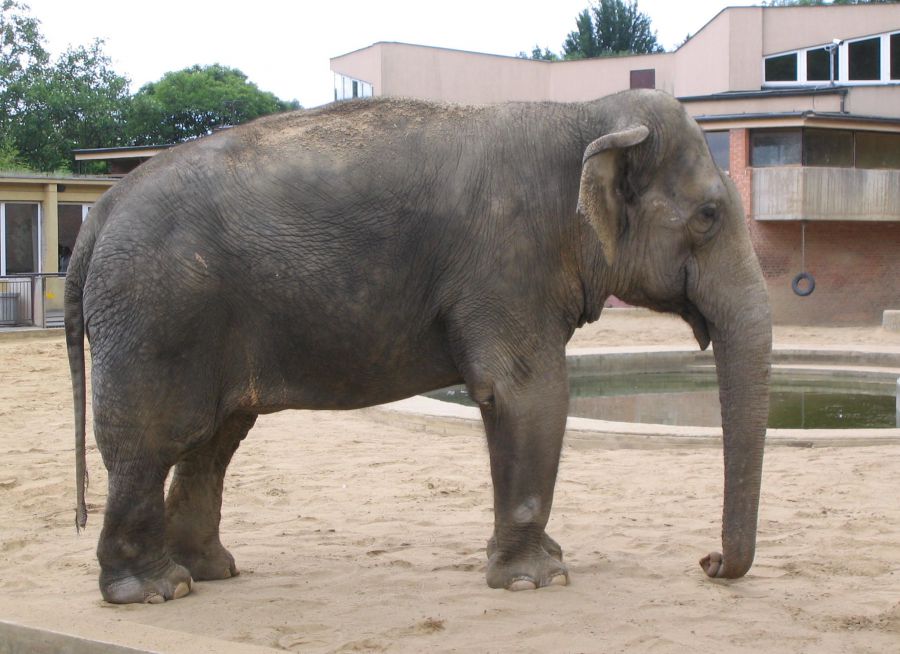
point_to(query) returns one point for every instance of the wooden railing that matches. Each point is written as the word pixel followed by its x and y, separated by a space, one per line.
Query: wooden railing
pixel 813 193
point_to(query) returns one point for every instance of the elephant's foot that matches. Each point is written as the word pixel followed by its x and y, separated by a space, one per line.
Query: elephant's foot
pixel 525 572
pixel 550 546
pixel 206 563
pixel 169 581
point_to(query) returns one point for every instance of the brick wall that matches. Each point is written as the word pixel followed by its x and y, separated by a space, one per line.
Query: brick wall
pixel 856 265
pixel 739 166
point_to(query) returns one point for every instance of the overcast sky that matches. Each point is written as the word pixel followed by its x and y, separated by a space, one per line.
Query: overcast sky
pixel 284 45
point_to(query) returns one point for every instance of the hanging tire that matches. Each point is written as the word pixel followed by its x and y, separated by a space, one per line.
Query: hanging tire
pixel 810 284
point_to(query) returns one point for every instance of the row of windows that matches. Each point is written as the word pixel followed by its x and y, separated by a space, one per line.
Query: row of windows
pixel 836 148
pixel 873 59
pixel 20 235
pixel 347 88
pixel 824 147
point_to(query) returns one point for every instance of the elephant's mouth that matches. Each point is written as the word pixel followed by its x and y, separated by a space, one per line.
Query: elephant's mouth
pixel 698 323
pixel 689 311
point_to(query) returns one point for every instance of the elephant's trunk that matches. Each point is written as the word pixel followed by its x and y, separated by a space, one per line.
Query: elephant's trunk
pixel 741 333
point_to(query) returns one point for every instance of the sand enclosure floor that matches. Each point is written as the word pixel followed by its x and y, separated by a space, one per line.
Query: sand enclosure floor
pixel 356 535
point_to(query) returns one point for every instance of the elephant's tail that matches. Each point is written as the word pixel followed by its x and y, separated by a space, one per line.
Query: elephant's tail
pixel 77 329
pixel 75 333
pixel 74 321
pixel 75 349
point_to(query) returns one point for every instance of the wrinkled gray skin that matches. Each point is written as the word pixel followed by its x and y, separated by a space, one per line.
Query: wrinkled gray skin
pixel 368 251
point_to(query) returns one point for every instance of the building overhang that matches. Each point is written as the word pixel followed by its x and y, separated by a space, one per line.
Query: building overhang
pixel 762 94
pixel 824 120
pixel 132 152
pixel 34 187
pixel 35 179
pixel 122 160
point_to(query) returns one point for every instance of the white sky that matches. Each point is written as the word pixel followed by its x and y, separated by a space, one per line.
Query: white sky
pixel 284 45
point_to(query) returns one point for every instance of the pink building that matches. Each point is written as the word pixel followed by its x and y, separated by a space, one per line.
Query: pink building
pixel 801 105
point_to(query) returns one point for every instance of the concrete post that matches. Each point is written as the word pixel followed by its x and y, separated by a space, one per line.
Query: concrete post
pixel 50 229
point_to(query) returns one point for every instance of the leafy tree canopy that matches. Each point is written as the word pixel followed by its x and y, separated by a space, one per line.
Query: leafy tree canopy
pixel 608 28
pixel 21 47
pixel 77 102
pixel 194 101
pixel 50 106
pixel 537 53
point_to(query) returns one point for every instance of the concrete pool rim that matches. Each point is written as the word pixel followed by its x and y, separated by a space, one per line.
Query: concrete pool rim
pixel 862 362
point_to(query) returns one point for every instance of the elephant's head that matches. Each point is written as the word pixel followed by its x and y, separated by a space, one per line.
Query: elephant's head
pixel 674 239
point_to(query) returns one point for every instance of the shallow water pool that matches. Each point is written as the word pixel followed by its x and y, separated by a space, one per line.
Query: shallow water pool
pixel 691 398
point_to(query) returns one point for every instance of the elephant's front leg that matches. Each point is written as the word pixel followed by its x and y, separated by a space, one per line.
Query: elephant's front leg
pixel 525 422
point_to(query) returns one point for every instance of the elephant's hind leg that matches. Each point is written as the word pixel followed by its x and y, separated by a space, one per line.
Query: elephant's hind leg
pixel 134 564
pixel 194 503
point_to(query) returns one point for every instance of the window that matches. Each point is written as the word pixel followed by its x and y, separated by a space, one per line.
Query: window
pixel 347 88
pixel 19 231
pixel 872 59
pixel 895 56
pixel 819 65
pixel 70 218
pixel 643 79
pixel 782 68
pixel 828 147
pixel 775 147
pixel 720 148
pixel 835 148
pixel 877 150
pixel 864 59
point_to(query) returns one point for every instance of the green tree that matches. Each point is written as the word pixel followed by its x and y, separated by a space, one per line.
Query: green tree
pixel 50 107
pixel 608 28
pixel 10 159
pixel 537 53
pixel 21 48
pixel 78 102
pixel 582 43
pixel 192 102
pixel 21 54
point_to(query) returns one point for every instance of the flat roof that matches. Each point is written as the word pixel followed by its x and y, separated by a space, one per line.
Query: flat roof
pixel 793 91
pixel 801 119
pixel 13 177
pixel 123 152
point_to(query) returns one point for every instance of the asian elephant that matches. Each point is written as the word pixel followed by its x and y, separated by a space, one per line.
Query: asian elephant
pixel 367 251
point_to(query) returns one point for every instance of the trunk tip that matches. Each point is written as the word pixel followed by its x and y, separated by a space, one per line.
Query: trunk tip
pixel 714 566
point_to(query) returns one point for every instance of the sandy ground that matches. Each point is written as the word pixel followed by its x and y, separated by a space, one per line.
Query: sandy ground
pixel 356 535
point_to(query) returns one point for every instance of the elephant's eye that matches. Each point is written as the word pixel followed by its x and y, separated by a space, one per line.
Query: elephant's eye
pixel 707 217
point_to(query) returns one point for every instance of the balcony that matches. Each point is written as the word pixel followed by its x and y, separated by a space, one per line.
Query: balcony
pixel 815 193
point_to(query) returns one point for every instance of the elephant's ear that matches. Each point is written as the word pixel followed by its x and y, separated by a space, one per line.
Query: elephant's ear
pixel 599 199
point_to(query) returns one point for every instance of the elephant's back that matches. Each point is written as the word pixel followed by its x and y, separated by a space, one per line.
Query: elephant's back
pixel 354 125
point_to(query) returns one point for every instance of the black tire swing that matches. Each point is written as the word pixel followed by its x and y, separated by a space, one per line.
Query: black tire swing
pixel 804 283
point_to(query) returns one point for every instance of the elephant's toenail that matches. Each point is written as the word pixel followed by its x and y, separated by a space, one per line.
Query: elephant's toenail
pixel 560 580
pixel 522 584
pixel 181 590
